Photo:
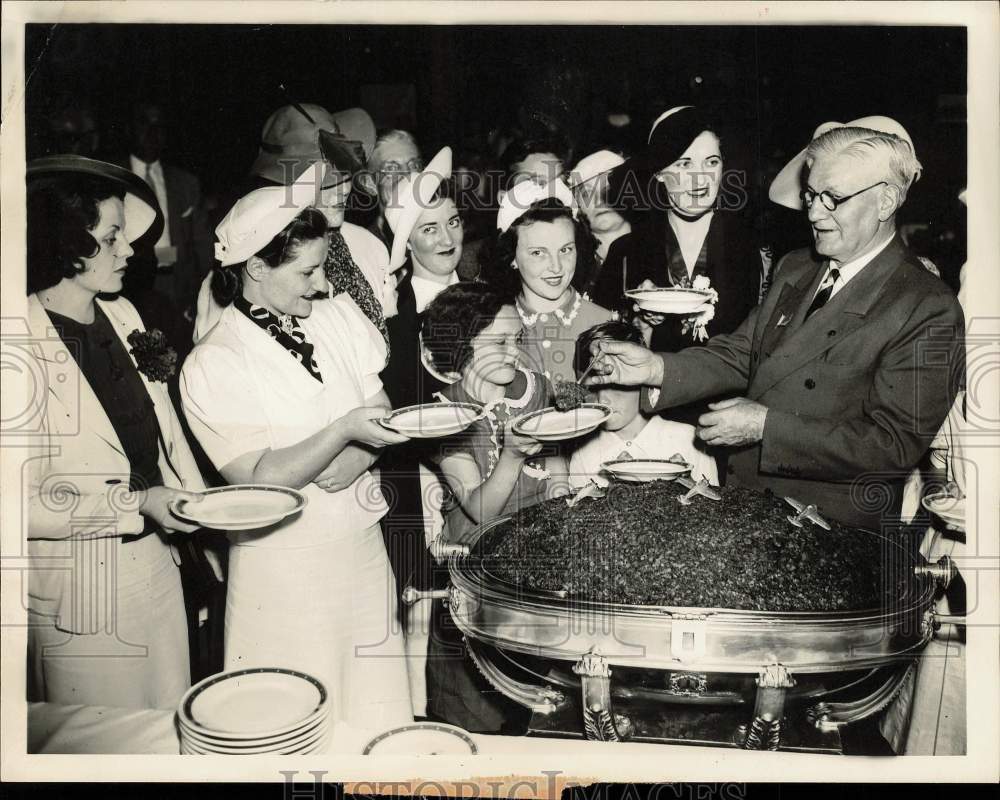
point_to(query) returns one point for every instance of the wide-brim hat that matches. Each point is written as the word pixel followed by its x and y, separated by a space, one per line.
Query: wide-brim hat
pixel 256 218
pixel 142 210
pixel 413 195
pixel 291 141
pixel 520 198
pixel 593 166
pixel 786 188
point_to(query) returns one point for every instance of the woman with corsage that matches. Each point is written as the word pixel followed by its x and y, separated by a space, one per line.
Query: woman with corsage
pixel 105 606
pixel 285 391
pixel 692 232
pixel 472 334
pixel 539 247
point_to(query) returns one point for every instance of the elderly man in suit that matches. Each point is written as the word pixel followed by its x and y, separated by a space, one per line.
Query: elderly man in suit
pixel 842 376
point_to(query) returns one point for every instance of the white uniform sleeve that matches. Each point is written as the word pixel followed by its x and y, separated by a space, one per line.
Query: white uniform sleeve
pixel 220 401
pixel 369 346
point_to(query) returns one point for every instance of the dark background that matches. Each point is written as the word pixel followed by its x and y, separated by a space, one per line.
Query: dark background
pixel 219 83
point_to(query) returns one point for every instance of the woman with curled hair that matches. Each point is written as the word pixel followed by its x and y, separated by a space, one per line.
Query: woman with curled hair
pixel 471 334
pixel 107 624
pixel 285 391
pixel 539 248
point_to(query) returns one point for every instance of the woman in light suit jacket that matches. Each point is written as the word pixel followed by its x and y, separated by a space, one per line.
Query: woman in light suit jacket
pixel 106 610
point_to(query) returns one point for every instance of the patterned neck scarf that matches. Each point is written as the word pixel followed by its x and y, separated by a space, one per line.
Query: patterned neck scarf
pixel 285 331
pixel 345 276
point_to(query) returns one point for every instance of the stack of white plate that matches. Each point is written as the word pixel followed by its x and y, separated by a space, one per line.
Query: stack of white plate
pixel 254 711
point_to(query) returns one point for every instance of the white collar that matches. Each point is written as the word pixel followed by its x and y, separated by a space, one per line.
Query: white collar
pixel 851 268
pixel 647 430
pixel 425 290
pixel 566 318
pixel 139 166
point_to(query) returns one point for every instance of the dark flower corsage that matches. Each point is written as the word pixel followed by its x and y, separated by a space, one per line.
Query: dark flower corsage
pixel 152 356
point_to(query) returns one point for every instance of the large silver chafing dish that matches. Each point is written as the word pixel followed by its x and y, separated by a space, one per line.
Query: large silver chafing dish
pixel 757 680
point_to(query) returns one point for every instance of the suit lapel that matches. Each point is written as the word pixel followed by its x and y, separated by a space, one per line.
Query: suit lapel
pixel 59 361
pixel 806 340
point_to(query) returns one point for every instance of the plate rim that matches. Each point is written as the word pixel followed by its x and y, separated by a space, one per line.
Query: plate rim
pixel 184 707
pixel 478 408
pixel 685 467
pixel 631 293
pixel 174 506
pixel 518 425
pixel 442 727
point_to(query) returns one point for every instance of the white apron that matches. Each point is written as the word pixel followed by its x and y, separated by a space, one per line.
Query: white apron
pixel 314 592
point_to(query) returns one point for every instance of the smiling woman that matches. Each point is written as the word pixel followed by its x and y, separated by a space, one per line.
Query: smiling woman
pixel 284 390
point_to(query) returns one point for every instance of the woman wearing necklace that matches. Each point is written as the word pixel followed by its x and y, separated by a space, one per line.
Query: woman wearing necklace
pixel 471 333
pixel 539 248
pixel 285 391
pixel 105 606
pixel 692 229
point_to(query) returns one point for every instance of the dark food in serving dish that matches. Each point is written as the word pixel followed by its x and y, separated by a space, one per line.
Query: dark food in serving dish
pixel 639 546
pixel 570 395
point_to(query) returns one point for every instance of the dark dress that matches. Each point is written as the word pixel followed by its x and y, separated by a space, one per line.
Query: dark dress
pixel 456 691
pixel 407 383
pixel 115 380
pixel 607 281
pixel 729 258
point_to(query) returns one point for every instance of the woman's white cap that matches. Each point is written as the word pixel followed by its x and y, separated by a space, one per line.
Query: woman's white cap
pixel 258 217
pixel 523 195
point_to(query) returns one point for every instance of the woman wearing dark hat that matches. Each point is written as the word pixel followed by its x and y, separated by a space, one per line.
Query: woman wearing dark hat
pixel 691 229
pixel 106 610
pixel 691 232
pixel 284 390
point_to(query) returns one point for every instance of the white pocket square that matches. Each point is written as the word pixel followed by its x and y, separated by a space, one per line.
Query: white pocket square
pixel 188 213
pixel 783 321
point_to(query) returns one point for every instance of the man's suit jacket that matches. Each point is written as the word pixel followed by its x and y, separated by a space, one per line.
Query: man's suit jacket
pixel 78 476
pixel 854 394
pixel 188 232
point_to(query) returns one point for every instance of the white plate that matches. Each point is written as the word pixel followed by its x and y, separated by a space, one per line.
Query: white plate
pixel 295 744
pixel 646 469
pixel 255 703
pixel 240 507
pixel 670 300
pixel 433 419
pixel 210 741
pixel 422 739
pixel 950 509
pixel 552 425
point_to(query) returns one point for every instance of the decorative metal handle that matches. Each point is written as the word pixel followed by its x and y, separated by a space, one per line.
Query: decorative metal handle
pixel 411 595
pixel 449 550
pixel 948 619
pixel 943 571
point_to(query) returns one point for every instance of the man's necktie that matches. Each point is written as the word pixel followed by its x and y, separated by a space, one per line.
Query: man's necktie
pixel 825 290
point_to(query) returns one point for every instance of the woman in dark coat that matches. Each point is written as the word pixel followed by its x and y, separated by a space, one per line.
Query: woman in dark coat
pixel 690 226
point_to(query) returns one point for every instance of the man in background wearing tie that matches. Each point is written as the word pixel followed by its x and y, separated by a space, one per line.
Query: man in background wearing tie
pixel 183 251
pixel 842 376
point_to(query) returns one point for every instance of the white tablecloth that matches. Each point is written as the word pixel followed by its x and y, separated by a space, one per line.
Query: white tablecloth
pixel 93 729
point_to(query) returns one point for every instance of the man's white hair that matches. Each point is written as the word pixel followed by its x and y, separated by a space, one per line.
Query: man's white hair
pixel 394 135
pixel 902 169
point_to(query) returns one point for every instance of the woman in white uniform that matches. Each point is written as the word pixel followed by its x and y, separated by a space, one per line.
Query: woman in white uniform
pixel 285 391
pixel 105 606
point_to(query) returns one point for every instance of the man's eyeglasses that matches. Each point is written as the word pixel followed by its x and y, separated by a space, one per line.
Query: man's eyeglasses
pixel 400 168
pixel 830 202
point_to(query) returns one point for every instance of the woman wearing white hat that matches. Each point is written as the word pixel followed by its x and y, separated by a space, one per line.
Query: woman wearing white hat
pixel 539 248
pixel 590 184
pixel 426 251
pixel 106 611
pixel 285 391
